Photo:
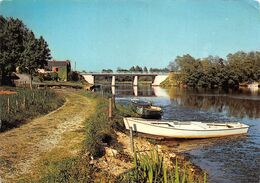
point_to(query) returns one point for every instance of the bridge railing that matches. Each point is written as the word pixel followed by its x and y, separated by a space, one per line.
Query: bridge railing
pixel 132 73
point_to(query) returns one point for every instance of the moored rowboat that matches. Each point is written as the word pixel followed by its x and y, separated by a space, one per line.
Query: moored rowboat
pixel 187 129
pixel 146 110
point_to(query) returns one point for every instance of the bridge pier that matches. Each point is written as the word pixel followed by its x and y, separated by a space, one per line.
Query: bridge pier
pixel 135 81
pixel 113 81
pixel 113 89
pixel 136 91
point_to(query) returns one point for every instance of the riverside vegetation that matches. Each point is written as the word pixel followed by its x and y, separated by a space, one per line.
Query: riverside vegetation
pixel 213 72
pixel 150 167
pixel 16 108
pixel 99 133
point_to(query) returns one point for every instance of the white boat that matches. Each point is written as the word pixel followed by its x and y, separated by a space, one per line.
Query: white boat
pixel 187 129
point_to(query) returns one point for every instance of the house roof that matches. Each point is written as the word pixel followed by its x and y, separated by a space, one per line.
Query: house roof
pixel 55 63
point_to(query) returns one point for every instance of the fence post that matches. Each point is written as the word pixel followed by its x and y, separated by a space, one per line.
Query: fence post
pixel 131 139
pixel 110 109
pixel 114 101
pixel 24 102
pixel 8 105
pixel 16 102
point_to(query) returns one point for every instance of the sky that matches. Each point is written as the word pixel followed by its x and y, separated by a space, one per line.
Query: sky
pixel 98 34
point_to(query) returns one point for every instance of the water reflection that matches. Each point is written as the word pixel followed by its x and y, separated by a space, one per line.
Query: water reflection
pixel 227 159
pixel 236 103
pixel 239 103
pixel 130 91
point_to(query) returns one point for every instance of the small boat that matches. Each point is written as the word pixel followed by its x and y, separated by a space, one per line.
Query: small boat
pixel 138 102
pixel 146 109
pixel 187 129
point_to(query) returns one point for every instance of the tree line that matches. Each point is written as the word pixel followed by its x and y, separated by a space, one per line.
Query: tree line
pixel 212 72
pixel 137 69
pixel 19 48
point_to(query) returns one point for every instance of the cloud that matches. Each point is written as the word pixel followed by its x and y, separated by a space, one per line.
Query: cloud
pixel 258 1
pixel 4 0
pixel 255 4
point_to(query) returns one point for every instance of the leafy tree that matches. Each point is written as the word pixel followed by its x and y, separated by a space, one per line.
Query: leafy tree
pixel 12 33
pixel 214 72
pixel 132 69
pixel 35 55
pixel 156 70
pixel 173 66
pixel 120 70
pixel 107 71
pixel 20 48
pixel 138 69
pixel 145 70
pixel 74 76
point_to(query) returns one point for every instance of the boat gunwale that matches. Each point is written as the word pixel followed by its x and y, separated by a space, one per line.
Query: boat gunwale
pixel 205 130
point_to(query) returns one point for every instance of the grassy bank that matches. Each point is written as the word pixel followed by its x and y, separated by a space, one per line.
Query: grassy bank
pixel 16 108
pixel 172 80
pixel 100 133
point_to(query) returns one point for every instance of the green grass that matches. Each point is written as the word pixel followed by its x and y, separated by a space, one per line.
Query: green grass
pixel 71 170
pixel 15 109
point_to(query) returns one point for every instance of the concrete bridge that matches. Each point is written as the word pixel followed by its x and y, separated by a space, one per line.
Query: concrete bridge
pixel 158 78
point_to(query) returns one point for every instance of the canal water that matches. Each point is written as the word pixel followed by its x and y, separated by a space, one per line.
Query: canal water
pixel 228 159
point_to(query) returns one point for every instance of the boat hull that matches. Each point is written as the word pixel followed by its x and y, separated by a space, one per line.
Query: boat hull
pixel 162 129
pixel 146 110
pixel 148 114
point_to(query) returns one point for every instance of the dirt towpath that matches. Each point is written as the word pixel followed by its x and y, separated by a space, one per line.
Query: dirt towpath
pixel 61 130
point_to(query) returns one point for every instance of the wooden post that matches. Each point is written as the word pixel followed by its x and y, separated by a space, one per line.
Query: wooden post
pixel 33 97
pixel 131 139
pixel 8 105
pixel 102 90
pixel 114 101
pixel 24 102
pixel 110 109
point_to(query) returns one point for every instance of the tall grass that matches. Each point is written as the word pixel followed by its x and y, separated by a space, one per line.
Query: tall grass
pixel 151 167
pixel 26 103
pixel 99 128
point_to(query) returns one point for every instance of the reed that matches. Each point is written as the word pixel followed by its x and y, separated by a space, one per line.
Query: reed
pixel 15 109
pixel 150 167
